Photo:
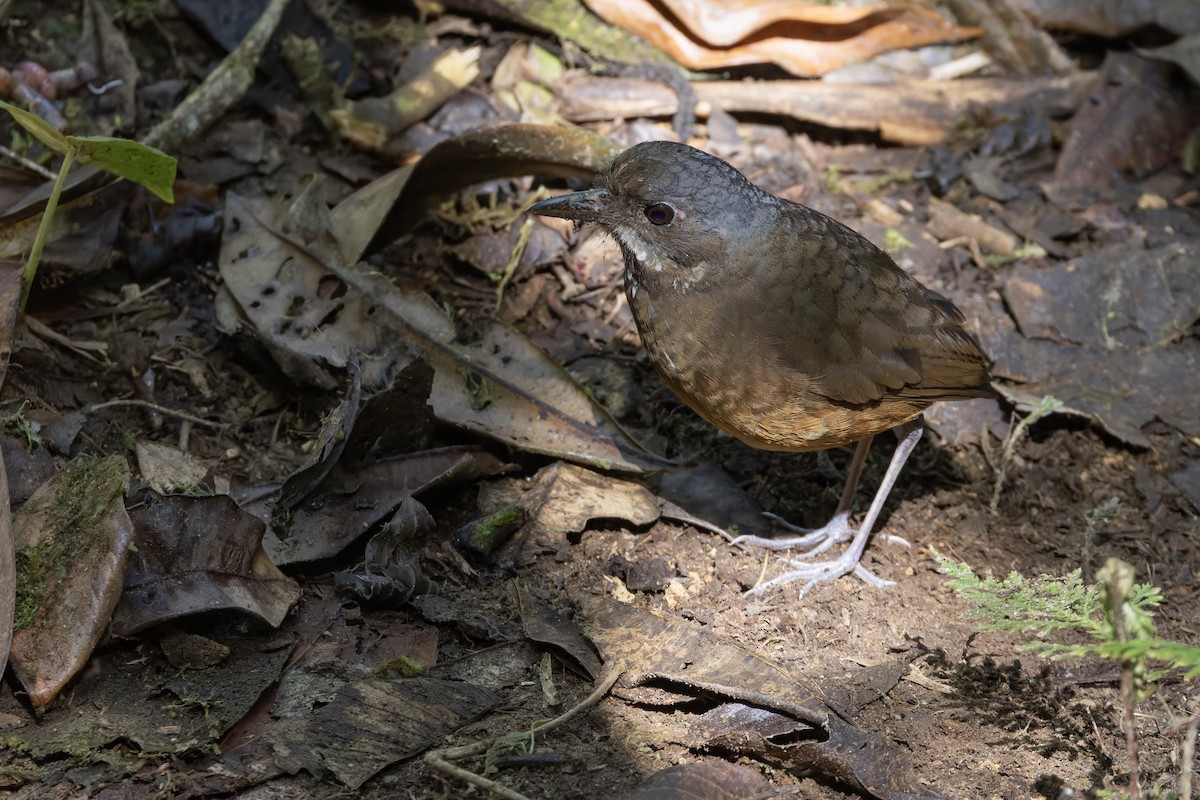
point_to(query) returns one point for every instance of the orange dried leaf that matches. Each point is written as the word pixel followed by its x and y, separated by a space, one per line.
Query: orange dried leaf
pixel 789 45
pixel 722 23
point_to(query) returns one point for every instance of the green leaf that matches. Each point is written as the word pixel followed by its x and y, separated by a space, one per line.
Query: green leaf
pixel 134 161
pixel 47 133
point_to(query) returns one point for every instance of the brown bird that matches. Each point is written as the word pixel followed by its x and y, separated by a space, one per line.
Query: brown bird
pixel 777 323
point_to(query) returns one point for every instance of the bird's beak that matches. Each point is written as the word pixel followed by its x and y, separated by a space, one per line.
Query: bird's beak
pixel 579 206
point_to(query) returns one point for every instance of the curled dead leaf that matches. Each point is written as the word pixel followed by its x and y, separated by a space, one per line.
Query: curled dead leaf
pixel 801 40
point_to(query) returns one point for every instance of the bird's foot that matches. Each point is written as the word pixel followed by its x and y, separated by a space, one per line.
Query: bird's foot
pixel 813 573
pixel 850 561
pixel 836 531
pixel 816 572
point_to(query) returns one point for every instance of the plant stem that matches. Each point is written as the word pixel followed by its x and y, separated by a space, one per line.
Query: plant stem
pixel 1128 689
pixel 1187 752
pixel 39 240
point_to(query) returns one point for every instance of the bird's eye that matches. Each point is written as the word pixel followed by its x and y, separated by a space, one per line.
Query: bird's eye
pixel 660 214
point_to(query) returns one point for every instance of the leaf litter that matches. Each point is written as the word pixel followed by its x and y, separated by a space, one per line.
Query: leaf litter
pixel 363 428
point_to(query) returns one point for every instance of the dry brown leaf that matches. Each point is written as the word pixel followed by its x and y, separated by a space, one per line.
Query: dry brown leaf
pixel 806 57
pixel 198 554
pixel 773 714
pixel 346 508
pixel 563 498
pixel 504 387
pixel 80 243
pixel 542 624
pixel 1135 122
pixel 1107 335
pixel 365 725
pixel 167 469
pixel 1112 18
pixel 715 780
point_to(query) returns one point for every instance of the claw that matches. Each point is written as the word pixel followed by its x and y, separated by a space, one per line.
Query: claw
pixel 836 532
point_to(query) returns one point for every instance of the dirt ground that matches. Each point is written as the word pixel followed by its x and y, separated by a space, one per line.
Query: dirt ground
pixel 954 712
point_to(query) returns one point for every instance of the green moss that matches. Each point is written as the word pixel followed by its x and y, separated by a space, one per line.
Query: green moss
pixel 73 510
pixel 14 745
pixel 34 564
pixel 13 423
pixel 401 667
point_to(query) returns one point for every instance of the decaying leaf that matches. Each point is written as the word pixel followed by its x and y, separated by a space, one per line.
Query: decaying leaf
pixel 72 542
pixel 655 645
pixel 563 498
pixel 353 502
pixel 851 756
pixel 390 573
pixel 168 469
pixel 162 709
pixel 370 723
pixel 1184 52
pixel 1106 335
pixel 289 301
pixel 328 445
pixel 395 420
pixel 712 779
pixel 759 708
pixel 545 626
pixel 197 554
pixel 1135 122
pixel 82 240
pixel 504 387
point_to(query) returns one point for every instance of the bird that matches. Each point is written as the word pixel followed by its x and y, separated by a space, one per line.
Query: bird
pixel 779 325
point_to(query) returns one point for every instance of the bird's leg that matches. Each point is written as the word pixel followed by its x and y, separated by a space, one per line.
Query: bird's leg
pixel 821 571
pixel 835 531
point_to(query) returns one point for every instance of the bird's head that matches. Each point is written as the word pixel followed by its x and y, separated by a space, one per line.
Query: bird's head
pixel 677 212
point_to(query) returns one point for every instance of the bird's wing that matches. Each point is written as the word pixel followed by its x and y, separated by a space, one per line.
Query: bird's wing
pixel 863 329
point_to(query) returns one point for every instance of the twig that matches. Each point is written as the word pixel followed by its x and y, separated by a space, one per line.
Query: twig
pixel 440 759
pixel 1187 752
pixel 155 407
pixel 1117 597
pixel 514 261
pixel 221 89
pixel 32 166
pixel 434 760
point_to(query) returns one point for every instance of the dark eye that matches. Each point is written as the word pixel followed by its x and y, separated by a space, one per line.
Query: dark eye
pixel 660 214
